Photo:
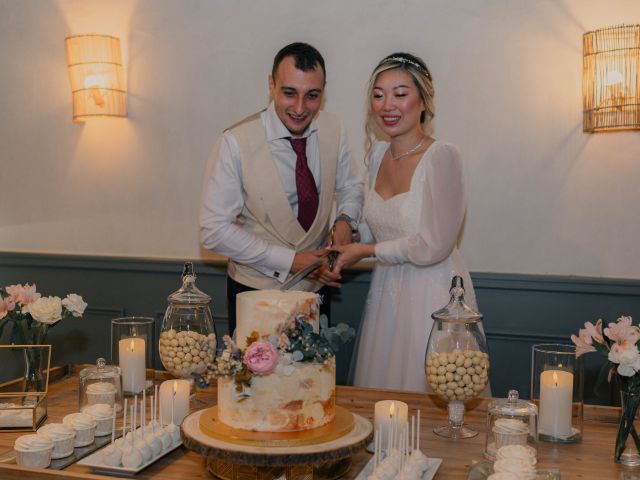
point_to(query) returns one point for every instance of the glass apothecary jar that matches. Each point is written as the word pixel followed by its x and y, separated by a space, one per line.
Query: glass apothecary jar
pixel 457 359
pixel 510 421
pixel 187 341
pixel 100 384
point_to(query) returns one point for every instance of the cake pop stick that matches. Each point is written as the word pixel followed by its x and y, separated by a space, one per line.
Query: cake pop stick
pixel 162 434
pixel 173 402
pixel 133 458
pixel 413 431
pixel 112 455
pixel 143 446
pixel 418 435
pixel 121 442
pixel 113 426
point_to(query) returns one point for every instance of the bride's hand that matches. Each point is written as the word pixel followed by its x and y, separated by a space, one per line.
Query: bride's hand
pixel 352 253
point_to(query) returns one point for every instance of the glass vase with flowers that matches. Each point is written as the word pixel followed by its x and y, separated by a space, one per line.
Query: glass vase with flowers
pixel 30 316
pixel 618 342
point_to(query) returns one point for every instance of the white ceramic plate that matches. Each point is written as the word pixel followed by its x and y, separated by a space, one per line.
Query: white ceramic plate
pixel 429 473
pixel 95 461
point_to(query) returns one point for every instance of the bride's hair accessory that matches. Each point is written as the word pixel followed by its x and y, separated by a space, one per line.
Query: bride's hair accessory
pixel 407 61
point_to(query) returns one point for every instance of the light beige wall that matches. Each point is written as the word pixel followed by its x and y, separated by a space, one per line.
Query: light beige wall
pixel 543 196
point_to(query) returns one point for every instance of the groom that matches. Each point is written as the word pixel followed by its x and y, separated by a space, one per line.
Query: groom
pixel 272 180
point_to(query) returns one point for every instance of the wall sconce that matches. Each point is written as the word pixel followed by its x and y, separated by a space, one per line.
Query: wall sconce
pixel 610 79
pixel 96 76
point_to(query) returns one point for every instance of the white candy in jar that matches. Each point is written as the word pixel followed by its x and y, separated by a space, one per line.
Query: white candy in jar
pixel 185 352
pixel 459 374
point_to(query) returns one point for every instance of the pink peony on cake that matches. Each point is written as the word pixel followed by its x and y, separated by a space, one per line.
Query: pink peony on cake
pixel 280 375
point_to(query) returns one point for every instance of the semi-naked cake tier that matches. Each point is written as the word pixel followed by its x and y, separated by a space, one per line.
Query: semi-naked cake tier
pixel 263 311
pixel 302 400
pixel 296 396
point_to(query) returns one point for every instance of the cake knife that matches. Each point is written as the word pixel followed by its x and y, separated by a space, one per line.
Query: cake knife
pixel 296 278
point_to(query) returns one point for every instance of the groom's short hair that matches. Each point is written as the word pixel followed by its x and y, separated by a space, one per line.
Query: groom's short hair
pixel 305 57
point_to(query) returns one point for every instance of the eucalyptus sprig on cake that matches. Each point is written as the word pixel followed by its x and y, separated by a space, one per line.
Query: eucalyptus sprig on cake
pixel 294 341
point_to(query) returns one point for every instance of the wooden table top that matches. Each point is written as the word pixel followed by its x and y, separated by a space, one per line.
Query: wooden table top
pixel 590 459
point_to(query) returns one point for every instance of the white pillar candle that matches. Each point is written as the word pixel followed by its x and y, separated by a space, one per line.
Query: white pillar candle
pixel 180 403
pixel 388 412
pixel 556 398
pixel 132 354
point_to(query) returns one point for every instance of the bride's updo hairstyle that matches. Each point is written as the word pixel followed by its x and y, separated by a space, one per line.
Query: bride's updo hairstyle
pixel 421 76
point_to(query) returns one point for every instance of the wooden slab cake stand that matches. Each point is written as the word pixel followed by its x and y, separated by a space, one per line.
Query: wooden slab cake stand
pixel 320 454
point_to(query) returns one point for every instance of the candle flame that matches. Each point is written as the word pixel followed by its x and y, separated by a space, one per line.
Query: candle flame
pixel 555 379
pixel 392 409
pixel 131 346
pixel 175 387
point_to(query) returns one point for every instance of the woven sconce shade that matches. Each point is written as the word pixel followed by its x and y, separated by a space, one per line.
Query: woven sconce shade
pixel 96 76
pixel 610 79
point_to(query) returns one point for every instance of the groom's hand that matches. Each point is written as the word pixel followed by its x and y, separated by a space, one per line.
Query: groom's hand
pixel 302 260
pixel 340 234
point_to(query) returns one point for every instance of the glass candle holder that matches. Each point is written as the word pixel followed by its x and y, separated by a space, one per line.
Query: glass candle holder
pixel 557 389
pixel 133 346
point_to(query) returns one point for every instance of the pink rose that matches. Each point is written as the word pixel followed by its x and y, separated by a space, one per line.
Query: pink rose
pixel 261 358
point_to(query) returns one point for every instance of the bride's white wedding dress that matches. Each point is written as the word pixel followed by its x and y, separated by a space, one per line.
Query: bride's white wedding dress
pixel 415 234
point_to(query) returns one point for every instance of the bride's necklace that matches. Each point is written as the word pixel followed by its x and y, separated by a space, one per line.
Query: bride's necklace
pixel 408 152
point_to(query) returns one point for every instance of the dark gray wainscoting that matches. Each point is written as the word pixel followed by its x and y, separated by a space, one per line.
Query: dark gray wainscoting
pixel 519 310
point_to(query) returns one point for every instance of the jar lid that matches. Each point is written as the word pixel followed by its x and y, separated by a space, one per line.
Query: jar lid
pixel 189 293
pixel 512 406
pixel 100 371
pixel 457 310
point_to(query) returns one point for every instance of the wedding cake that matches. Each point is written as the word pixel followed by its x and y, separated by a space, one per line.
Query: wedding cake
pixel 279 375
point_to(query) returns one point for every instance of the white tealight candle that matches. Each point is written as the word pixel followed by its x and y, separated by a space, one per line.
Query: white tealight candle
pixel 179 401
pixel 131 352
pixel 391 418
pixel 556 398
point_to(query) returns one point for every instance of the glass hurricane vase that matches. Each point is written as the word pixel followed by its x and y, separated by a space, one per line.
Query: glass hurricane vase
pixel 628 437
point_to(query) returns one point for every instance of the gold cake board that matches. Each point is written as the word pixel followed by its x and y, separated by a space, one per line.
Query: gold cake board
pixel 318 454
pixel 342 424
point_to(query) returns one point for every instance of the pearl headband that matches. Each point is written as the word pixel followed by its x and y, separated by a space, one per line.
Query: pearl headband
pixel 410 62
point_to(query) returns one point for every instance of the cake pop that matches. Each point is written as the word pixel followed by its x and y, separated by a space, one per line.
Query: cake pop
pixel 121 443
pixel 132 458
pixel 154 442
pixel 172 429
pixel 162 434
pixel 144 449
pixel 112 455
pixel 154 423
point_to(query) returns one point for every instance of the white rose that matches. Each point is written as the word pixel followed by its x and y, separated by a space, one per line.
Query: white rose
pixel 75 304
pixel 627 358
pixel 46 310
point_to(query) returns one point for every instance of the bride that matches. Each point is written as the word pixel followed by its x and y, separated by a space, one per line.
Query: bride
pixel 414 210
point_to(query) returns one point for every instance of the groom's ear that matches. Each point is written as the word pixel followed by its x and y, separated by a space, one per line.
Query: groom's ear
pixel 272 84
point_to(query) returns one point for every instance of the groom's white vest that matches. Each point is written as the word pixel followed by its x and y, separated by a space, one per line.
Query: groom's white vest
pixel 267 213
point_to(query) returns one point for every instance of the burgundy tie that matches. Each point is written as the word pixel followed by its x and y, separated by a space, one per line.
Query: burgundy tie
pixel 306 186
